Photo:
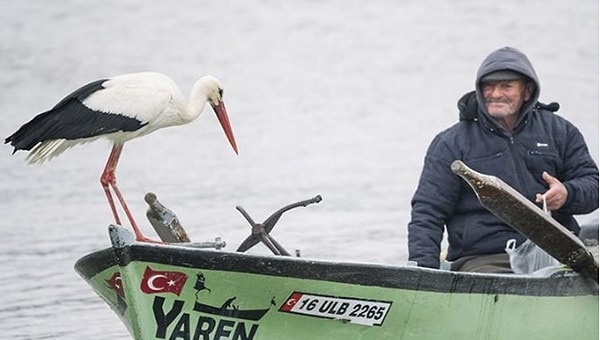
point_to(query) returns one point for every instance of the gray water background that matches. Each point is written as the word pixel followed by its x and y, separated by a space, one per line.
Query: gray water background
pixel 338 98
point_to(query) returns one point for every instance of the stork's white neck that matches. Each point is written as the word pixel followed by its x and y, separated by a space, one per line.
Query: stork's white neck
pixel 196 104
pixel 205 89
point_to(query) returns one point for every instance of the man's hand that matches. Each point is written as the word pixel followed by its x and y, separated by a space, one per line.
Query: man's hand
pixel 556 196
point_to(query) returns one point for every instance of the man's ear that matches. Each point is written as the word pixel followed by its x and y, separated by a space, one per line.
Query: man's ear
pixel 529 89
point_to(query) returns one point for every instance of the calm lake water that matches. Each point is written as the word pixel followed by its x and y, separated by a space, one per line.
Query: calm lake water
pixel 337 98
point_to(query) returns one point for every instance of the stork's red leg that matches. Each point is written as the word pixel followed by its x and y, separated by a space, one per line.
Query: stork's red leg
pixel 109 178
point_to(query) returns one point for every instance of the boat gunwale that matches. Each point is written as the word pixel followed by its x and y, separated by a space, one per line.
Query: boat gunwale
pixel 561 283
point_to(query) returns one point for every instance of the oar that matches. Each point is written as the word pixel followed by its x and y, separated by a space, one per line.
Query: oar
pixel 527 218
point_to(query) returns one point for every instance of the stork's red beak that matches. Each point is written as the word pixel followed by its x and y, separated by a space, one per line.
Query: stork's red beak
pixel 224 120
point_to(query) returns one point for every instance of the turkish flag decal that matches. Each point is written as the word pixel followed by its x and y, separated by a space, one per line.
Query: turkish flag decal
pixel 116 283
pixel 291 302
pixel 155 281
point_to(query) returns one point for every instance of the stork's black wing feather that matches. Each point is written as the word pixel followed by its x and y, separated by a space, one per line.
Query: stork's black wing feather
pixel 71 119
pixel 82 92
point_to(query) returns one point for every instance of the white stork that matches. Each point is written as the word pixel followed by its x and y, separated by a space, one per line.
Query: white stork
pixel 119 109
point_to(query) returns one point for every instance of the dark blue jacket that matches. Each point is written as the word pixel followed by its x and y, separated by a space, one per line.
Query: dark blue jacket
pixel 541 141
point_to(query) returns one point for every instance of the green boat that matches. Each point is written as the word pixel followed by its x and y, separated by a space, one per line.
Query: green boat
pixel 184 290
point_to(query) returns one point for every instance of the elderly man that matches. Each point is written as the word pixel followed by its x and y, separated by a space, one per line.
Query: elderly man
pixel 503 131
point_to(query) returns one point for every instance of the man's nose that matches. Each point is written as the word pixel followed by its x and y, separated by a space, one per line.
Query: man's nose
pixel 495 91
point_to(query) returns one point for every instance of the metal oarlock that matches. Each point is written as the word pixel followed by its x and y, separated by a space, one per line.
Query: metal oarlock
pixel 261 231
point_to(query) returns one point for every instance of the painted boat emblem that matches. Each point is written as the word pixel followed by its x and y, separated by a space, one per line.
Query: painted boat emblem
pixel 227 308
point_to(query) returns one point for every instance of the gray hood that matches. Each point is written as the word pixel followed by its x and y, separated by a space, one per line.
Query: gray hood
pixel 508 58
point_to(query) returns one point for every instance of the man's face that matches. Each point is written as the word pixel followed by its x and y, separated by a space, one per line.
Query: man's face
pixel 504 98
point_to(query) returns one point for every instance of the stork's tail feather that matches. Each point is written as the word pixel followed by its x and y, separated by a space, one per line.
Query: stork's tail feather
pixel 45 151
pixel 49 149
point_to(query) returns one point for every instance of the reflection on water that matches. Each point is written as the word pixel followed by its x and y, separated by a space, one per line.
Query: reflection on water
pixel 333 98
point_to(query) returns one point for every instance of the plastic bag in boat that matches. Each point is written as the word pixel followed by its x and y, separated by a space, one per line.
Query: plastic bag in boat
pixel 528 257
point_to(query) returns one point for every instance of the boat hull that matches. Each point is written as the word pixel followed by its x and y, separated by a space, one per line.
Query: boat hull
pixel 175 292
